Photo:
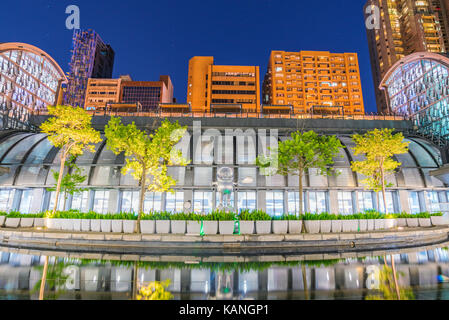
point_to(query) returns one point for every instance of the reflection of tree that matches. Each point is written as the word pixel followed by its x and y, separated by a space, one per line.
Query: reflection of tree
pixel 389 286
pixel 155 290
pixel 52 276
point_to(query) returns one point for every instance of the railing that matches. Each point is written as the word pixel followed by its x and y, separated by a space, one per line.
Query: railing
pixel 242 115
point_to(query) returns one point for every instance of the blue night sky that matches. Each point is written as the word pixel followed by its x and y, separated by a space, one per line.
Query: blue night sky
pixel 151 38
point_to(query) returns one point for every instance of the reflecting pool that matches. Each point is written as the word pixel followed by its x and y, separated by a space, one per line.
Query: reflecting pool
pixel 421 273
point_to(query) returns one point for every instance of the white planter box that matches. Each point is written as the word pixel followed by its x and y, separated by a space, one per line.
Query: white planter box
pixel 350 225
pixel 391 223
pixel 178 227
pixel 147 226
pixel 438 221
pixel 371 224
pixel 363 223
pixel 76 225
pixel 226 227
pixel 280 226
pixel 95 225
pixel 26 222
pixel 312 226
pixel 294 226
pixel 12 222
pixel 210 227
pixel 67 224
pixel 85 225
pixel 38 222
pixel 2 220
pixel 117 226
pixel 247 227
pixel 379 224
pixel 263 227
pixel 55 224
pixel 337 226
pixel 193 227
pixel 425 222
pixel 129 226
pixel 325 226
pixel 106 225
pixel 163 226
pixel 402 222
pixel 412 223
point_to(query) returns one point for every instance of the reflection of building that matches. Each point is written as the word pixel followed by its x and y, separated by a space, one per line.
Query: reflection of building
pixel 30 80
pixel 149 94
pixel 309 79
pixel 405 27
pixel 229 143
pixel 91 58
pixel 214 88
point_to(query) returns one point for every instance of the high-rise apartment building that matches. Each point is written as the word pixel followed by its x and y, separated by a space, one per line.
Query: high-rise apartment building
pixel 149 94
pixel 314 81
pixel 91 58
pixel 405 27
pixel 214 88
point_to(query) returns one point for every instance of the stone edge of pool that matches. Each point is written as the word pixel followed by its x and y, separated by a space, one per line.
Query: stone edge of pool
pixel 160 244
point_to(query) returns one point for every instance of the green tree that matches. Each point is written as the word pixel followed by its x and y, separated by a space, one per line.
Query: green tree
pixel 70 130
pixel 147 155
pixel 378 147
pixel 295 156
pixel 70 182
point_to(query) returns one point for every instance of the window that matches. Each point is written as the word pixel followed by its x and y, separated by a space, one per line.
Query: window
pixel 101 201
pixel 390 203
pixel 247 200
pixel 413 201
pixel 293 203
pixel 25 201
pixel 174 202
pixel 317 202
pixel 202 201
pixel 6 199
pixel 153 202
pixel 130 201
pixel 217 199
pixel 345 202
pixel 51 203
pixel 434 202
pixel 80 201
pixel 275 203
pixel 365 201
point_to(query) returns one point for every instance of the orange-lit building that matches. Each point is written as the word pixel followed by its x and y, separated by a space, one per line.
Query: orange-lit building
pixel 314 82
pixel 214 88
pixel 149 94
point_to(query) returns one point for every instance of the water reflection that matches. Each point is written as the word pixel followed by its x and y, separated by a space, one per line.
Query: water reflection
pixel 423 274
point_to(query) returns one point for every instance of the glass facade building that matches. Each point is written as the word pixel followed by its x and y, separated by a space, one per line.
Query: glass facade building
pixel 30 159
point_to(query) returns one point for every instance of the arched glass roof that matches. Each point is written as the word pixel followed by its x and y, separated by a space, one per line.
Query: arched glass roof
pixel 31 158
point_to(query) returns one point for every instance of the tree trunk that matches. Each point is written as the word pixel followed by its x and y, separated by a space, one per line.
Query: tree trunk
pixel 58 185
pixel 43 279
pixel 304 281
pixel 383 190
pixel 142 197
pixel 65 201
pixel 301 200
pixel 393 267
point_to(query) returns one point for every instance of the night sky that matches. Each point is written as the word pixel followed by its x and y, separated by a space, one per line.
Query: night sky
pixel 151 38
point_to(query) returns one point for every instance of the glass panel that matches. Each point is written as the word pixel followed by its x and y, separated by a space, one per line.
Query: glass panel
pixel 247 177
pixel 202 202
pixel 101 201
pixel 174 202
pixel 152 202
pixel 130 201
pixel 6 199
pixel 80 201
pixel 413 201
pixel 26 201
pixel 365 201
pixel 390 203
pixel 4 146
pixel 51 203
pixel 18 152
pixel 247 200
pixel 275 203
pixel 345 202
pixel 434 202
pixel 39 153
pixel 217 199
pixel 293 203
pixel 203 176
pixel 317 202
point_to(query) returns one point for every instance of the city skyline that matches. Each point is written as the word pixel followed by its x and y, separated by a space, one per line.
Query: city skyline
pixel 187 34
